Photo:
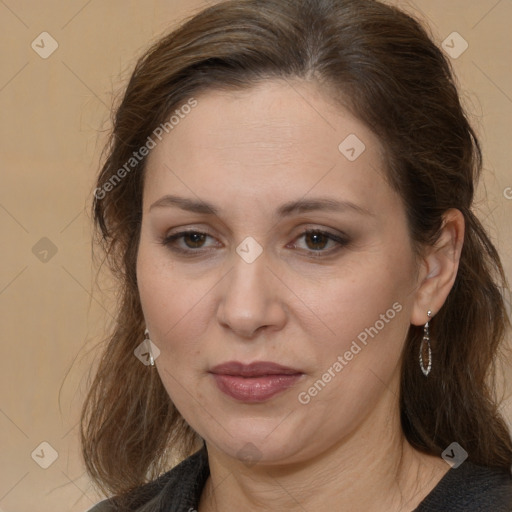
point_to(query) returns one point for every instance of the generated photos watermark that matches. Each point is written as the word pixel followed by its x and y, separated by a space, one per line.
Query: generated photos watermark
pixel 357 345
pixel 138 156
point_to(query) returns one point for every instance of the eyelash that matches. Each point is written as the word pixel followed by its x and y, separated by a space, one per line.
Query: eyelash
pixel 169 241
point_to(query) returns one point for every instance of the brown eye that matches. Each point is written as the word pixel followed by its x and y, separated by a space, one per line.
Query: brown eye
pixel 194 240
pixel 316 241
pixel 190 242
pixel 320 243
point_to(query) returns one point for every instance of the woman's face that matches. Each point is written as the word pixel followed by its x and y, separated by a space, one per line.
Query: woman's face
pixel 297 253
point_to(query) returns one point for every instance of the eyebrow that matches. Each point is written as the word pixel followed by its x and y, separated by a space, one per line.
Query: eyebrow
pixel 285 210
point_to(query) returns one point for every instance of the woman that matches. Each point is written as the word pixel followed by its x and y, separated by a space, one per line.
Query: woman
pixel 310 310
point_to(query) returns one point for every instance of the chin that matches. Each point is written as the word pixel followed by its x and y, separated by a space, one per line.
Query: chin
pixel 257 441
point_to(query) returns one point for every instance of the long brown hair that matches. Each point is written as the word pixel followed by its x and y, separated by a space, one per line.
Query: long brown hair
pixel 381 64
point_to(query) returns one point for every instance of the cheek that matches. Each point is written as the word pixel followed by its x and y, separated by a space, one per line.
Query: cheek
pixel 176 309
pixel 177 319
pixel 364 310
pixel 364 315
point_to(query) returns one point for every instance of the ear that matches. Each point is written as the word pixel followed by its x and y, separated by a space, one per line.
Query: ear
pixel 438 268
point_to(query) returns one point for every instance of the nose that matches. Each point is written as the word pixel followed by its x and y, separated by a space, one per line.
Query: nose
pixel 251 300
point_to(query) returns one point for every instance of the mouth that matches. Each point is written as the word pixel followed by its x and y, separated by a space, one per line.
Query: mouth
pixel 255 382
pixel 256 369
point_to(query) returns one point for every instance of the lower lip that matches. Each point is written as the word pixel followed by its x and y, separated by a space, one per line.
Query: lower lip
pixel 254 389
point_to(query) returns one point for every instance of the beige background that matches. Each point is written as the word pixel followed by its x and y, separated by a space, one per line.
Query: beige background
pixel 54 113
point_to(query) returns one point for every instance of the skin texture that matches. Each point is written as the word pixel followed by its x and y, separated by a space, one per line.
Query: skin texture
pixel 248 153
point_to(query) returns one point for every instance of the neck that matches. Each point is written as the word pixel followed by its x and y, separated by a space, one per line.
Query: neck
pixel 371 470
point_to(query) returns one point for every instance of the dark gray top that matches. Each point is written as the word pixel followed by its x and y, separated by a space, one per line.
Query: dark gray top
pixel 469 488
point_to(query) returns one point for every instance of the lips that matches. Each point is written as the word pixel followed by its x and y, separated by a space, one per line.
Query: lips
pixel 258 368
pixel 255 382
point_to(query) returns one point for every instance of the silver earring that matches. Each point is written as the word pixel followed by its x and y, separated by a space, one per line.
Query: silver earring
pixel 425 351
pixel 149 352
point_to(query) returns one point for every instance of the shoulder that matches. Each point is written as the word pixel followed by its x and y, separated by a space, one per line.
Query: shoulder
pixel 471 488
pixel 183 484
pixel 103 506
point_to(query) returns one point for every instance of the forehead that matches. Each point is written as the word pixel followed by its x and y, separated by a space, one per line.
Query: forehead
pixel 276 138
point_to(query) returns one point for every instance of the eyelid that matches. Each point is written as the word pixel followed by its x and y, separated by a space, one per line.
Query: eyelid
pixel 339 238
pixel 170 237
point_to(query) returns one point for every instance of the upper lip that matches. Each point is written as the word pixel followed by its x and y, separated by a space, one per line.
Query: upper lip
pixel 257 368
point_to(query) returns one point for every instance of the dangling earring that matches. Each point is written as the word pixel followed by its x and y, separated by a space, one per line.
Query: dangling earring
pixel 425 351
pixel 149 353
